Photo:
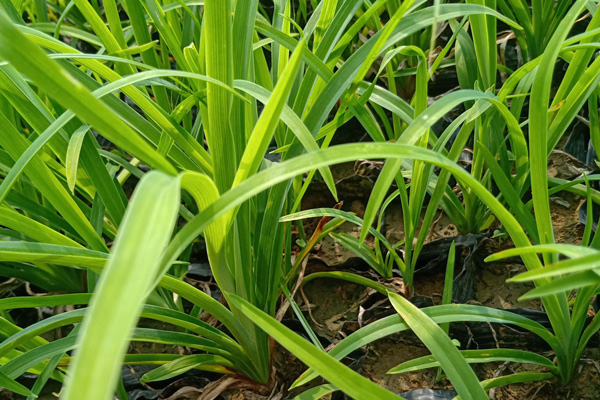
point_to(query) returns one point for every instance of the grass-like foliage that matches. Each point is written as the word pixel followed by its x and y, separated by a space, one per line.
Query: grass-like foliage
pixel 133 130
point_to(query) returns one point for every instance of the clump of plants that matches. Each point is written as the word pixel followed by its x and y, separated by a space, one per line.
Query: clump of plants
pixel 134 132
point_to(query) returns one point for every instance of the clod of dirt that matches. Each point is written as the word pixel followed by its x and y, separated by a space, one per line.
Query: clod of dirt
pixel 491 288
pixel 333 305
pixel 564 207
pixel 564 166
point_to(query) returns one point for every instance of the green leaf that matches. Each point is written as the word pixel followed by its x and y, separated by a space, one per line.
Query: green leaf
pixel 580 264
pixel 455 366
pixel 34 229
pixel 356 386
pixel 123 287
pixel 410 137
pixel 73 151
pixel 538 125
pixel 222 142
pixel 316 392
pixel 48 184
pixel 294 123
pixel 55 81
pixel 576 281
pixel 477 357
pixel 51 253
pixel 333 212
pixel 347 276
pixel 10 303
pixel 265 127
pixel 569 250
pixel 520 377
pixel 14 386
pixel 362 250
pixel 183 364
pixel 338 154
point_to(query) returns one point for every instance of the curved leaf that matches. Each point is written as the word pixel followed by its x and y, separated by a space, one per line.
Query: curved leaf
pixel 351 383
pixel 123 286
pixel 449 357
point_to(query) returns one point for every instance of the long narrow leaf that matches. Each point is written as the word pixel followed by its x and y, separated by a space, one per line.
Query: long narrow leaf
pixel 455 366
pixel 131 268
